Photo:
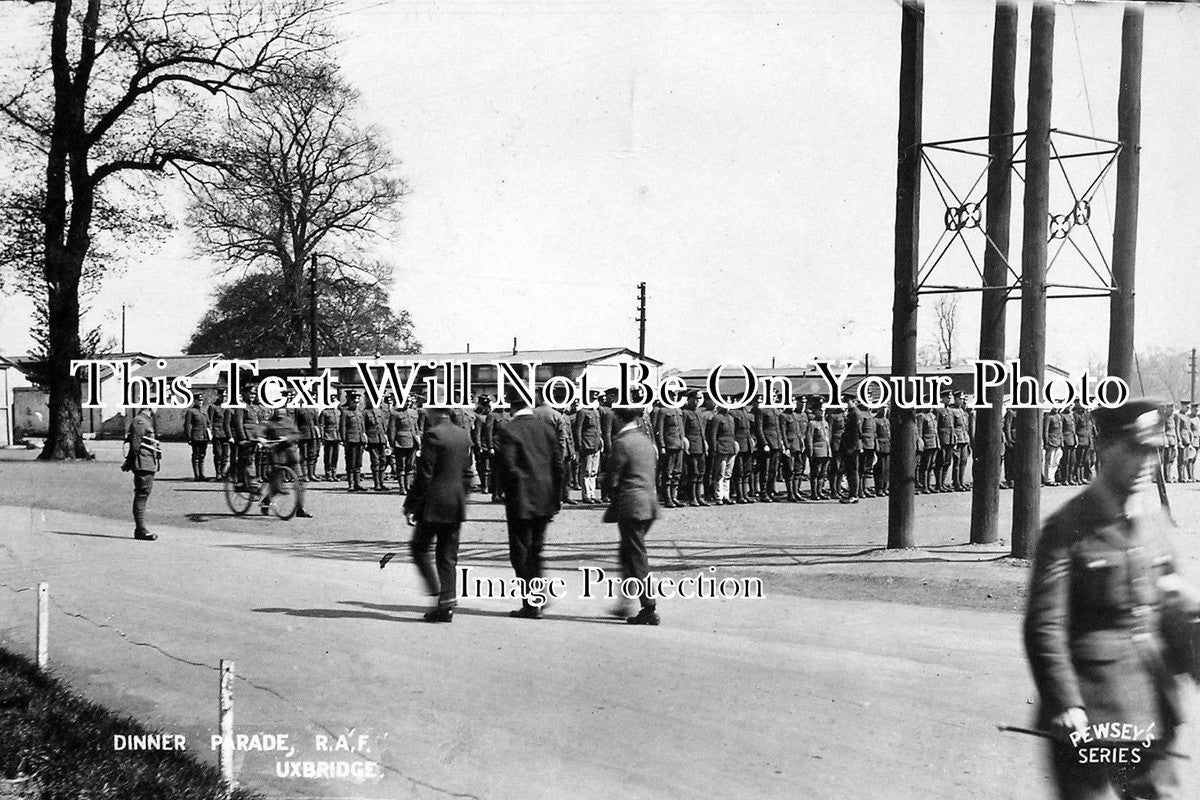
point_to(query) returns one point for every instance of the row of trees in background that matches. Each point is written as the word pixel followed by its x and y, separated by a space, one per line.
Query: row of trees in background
pixel 238 98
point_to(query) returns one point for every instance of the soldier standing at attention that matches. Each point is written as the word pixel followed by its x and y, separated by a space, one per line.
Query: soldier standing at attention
pixel 496 419
pixel 606 426
pixel 962 441
pixel 1009 429
pixel 142 459
pixel 588 444
pixel 1183 433
pixel 402 433
pixel 197 434
pixel 1193 423
pixel 375 422
pixel 743 465
pixel 883 452
pixel 481 441
pixel 670 443
pixel 1109 624
pixel 696 444
pixel 327 421
pixel 945 431
pixel 931 452
pixel 241 444
pixel 721 434
pixel 353 433
pixel 800 454
pixel 836 420
pixel 306 430
pixel 220 434
pixel 769 436
pixel 1067 466
pixel 851 444
pixel 818 446
pixel 1052 439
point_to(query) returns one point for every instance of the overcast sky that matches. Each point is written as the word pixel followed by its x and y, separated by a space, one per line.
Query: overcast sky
pixel 739 157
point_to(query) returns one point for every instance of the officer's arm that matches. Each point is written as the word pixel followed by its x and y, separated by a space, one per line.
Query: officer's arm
pixel 1047 616
pixel 426 466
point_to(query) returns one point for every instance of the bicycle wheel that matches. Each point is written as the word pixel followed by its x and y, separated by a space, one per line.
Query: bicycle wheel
pixel 287 493
pixel 238 498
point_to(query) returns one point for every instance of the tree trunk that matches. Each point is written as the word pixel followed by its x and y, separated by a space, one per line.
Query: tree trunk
pixel 64 439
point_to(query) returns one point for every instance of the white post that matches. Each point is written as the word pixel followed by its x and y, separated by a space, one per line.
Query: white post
pixel 225 713
pixel 43 625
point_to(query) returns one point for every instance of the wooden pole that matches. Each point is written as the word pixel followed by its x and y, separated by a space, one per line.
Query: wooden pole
pixel 1028 486
pixel 225 720
pixel 989 440
pixel 1129 131
pixel 43 626
pixel 903 467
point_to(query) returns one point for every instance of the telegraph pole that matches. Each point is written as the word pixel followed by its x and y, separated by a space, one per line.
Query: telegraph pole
pixel 1192 399
pixel 1028 486
pixel 641 318
pixel 123 350
pixel 312 313
pixel 989 444
pixel 901 497
pixel 1129 131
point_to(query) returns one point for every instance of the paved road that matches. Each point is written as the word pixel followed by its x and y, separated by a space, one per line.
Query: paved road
pixel 786 696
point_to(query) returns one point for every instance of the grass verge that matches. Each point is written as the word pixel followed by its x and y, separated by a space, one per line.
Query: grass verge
pixel 55 744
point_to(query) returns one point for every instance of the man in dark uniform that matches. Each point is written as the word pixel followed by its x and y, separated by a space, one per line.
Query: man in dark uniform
pixel 257 416
pixel 197 434
pixel 866 457
pixel 818 447
pixel 309 437
pixel 883 452
pixel 283 449
pixel 375 428
pixel 769 437
pixel 945 431
pixel 220 434
pixel 1009 429
pixel 1085 435
pixel 743 465
pixel 929 466
pixel 142 459
pixel 835 420
pixel 1067 465
pixel 404 436
pixel 481 441
pixel 529 474
pixel 1052 440
pixel 962 441
pixel 606 430
pixel 436 505
pixel 721 435
pixel 708 409
pixel 328 422
pixel 497 417
pixel 696 444
pixel 1171 446
pixel 588 444
pixel 353 433
pixel 241 441
pixel 634 506
pixel 670 444
pixel 1100 630
pixel 851 448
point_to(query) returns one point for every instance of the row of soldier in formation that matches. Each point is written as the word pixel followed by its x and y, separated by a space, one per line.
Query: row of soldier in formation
pixel 1181 431
pixel 708 454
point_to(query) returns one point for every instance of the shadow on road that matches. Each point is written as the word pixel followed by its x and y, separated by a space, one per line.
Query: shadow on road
pixel 91 535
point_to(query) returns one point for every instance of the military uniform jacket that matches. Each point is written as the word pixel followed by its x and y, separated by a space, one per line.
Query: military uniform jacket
pixel 481 437
pixel 306 423
pixel 235 422
pixel 1093 626
pixel 742 429
pixel 789 426
pixel 606 427
pixel 1194 426
pixel 1084 429
pixel 1052 432
pixel 836 422
pixel 722 434
pixel 962 425
pixel 767 428
pixel 927 427
pixel 945 425
pixel 1170 429
pixel 883 435
pixel 851 441
pixel 668 429
pixel 375 425
pixel 867 432
pixel 352 427
pixel 803 420
pixel 328 421
pixel 195 425
pixel 694 431
pixel 818 441
pixel 402 428
pixel 587 430
pixel 1185 429
pixel 216 422
pixel 256 418
pixel 143 454
pixel 1068 429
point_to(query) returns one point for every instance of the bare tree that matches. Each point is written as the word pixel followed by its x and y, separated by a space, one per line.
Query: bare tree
pixel 305 180
pixel 947 320
pixel 125 92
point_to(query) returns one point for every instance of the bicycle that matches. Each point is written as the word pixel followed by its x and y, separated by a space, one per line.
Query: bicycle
pixel 280 491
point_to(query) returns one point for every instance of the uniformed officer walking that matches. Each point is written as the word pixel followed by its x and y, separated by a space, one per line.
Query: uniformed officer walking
pixel 142 459
pixel 1103 587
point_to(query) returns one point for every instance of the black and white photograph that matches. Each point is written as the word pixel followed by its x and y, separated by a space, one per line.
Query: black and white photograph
pixel 542 399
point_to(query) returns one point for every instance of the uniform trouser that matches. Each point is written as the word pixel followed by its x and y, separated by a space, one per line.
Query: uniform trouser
pixel 866 469
pixel 741 472
pixel 483 466
pixel 961 458
pixel 722 474
pixel 199 451
pixel 1050 463
pixel 850 461
pixel 1181 461
pixel 694 473
pixel 927 470
pixel 945 463
pixel 331 455
pixel 245 460
pixel 768 468
pixel 1083 461
pixel 818 471
pixel 438 567
pixel 589 468
pixel 404 462
pixel 1154 776
pixel 1066 467
pixel 308 453
pixel 882 476
pixel 632 554
pixel 673 466
pixel 566 484
pixel 376 451
pixel 354 451
pixel 143 482
pixel 526 538
pixel 1010 454
pixel 220 451
pixel 1168 461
